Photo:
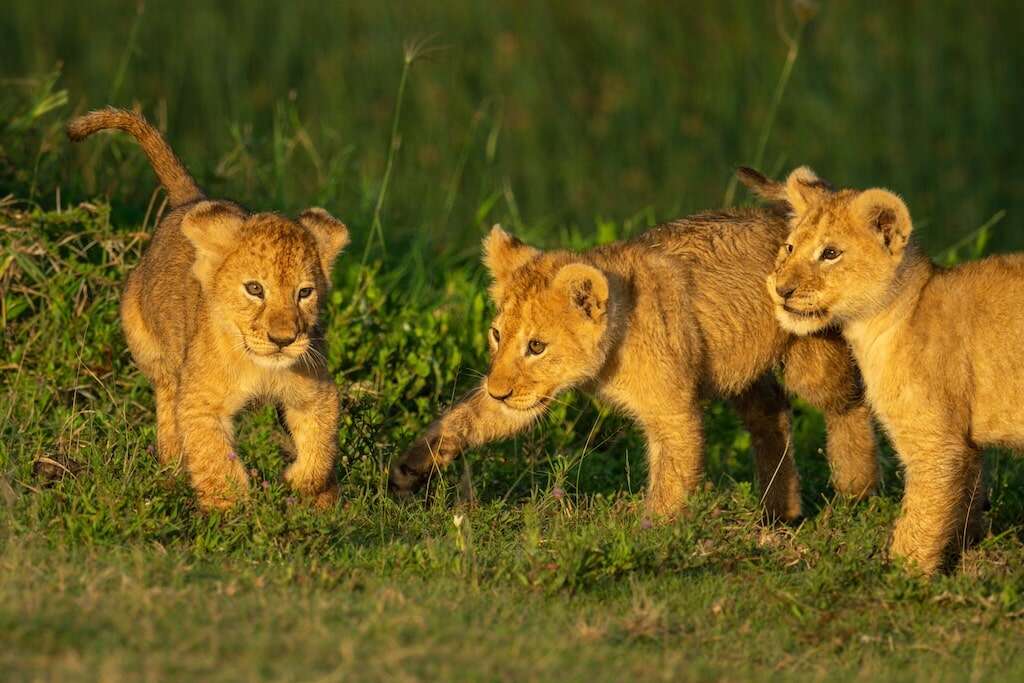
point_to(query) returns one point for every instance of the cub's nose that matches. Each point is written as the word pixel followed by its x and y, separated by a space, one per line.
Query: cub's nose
pixel 785 290
pixel 281 341
pixel 499 397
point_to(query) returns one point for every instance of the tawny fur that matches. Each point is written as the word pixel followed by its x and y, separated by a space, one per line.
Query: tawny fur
pixel 653 326
pixel 939 348
pixel 210 345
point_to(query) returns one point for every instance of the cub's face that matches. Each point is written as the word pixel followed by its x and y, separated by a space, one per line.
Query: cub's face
pixel 268 291
pixel 552 317
pixel 264 285
pixel 842 254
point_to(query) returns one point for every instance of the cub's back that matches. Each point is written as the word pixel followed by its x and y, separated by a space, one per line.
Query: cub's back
pixel 723 259
pixel 977 309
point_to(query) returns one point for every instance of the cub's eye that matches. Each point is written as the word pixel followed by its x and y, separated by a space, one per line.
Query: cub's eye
pixel 495 336
pixel 305 293
pixel 254 289
pixel 830 254
pixel 789 248
pixel 535 347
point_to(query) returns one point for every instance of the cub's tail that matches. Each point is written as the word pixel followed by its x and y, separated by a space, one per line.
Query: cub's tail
pixel 181 187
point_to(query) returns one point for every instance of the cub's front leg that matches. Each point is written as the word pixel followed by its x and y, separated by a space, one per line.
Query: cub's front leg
pixel 477 420
pixel 940 474
pixel 765 413
pixel 207 439
pixel 311 416
pixel 820 370
pixel 671 420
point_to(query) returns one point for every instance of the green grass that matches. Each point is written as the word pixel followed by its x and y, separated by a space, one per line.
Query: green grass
pixel 108 569
pixel 573 124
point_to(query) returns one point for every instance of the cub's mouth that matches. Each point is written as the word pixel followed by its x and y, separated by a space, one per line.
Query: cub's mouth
pixel 518 406
pixel 814 313
pixel 275 357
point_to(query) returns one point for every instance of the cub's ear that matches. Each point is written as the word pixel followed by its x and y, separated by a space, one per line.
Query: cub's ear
pixel 586 289
pixel 804 187
pixel 331 236
pixel 504 253
pixel 212 228
pixel 886 215
pixel 761 185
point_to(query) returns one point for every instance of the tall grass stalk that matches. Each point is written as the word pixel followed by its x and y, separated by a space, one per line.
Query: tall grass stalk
pixel 977 239
pixel 413 51
pixel 460 165
pixel 804 12
pixel 126 56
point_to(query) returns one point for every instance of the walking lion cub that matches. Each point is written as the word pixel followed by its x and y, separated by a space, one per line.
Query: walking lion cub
pixel 223 308
pixel 654 325
pixel 939 348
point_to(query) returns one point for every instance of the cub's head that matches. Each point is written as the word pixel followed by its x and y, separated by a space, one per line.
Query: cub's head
pixel 263 275
pixel 550 329
pixel 842 254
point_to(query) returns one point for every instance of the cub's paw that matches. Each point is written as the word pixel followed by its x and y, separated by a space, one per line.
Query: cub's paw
pixel 211 502
pixel 413 468
pixel 312 486
pixel 906 552
pixel 328 498
pixel 221 489
pixel 664 509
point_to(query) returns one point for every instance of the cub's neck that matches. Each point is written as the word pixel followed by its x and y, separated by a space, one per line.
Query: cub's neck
pixel 865 333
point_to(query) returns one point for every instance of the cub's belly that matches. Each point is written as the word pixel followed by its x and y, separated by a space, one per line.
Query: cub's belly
pixel 997 382
pixel 998 420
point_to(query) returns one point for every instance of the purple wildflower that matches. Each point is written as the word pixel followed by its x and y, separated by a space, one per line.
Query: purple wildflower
pixel 646 523
pixel 558 493
pixel 232 455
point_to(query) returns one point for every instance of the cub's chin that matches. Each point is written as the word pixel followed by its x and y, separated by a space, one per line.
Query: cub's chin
pixel 802 322
pixel 276 361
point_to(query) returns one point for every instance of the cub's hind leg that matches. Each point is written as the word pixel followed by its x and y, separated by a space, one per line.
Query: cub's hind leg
pixel 820 370
pixel 765 413
pixel 168 439
pixel 151 357
pixel 975 525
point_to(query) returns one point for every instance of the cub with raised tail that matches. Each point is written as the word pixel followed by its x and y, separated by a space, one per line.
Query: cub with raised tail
pixel 222 309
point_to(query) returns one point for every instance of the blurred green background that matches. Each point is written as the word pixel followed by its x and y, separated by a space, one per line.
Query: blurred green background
pixel 538 114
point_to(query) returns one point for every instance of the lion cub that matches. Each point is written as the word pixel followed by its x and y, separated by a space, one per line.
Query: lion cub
pixel 653 326
pixel 940 350
pixel 223 308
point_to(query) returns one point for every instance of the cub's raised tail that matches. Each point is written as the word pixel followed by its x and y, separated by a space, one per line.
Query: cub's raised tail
pixel 181 187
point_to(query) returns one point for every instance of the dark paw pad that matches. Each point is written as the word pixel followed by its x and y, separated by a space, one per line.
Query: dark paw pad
pixel 405 479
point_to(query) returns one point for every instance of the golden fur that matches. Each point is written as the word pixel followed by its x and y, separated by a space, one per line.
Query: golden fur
pixel 222 309
pixel 653 326
pixel 938 348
